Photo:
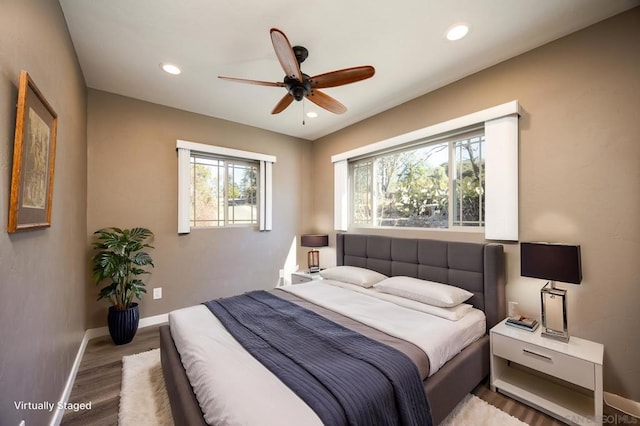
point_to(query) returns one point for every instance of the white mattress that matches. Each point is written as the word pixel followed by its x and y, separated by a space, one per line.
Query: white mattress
pixel 439 338
pixel 233 388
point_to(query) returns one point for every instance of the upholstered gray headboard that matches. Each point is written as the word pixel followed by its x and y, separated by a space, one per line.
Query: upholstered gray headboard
pixel 478 268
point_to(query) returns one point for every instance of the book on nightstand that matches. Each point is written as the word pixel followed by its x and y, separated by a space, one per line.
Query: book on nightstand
pixel 524 323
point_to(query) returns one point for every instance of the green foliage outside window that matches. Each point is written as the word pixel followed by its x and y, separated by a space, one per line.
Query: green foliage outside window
pixel 223 192
pixel 411 188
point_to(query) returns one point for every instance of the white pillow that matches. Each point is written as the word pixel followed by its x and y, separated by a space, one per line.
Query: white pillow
pixel 454 313
pixel 354 275
pixel 429 292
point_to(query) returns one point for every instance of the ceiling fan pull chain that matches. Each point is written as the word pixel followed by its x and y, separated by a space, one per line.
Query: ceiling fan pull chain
pixel 303 105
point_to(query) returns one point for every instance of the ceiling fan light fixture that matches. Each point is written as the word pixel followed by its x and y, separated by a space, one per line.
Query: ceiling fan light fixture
pixel 170 68
pixel 457 32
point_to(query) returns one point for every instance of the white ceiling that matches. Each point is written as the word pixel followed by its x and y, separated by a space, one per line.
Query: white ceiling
pixel 120 44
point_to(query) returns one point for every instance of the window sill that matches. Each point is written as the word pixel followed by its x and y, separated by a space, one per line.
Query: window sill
pixel 455 229
pixel 251 227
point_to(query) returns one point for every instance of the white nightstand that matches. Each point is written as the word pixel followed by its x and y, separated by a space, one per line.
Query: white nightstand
pixel 300 277
pixel 570 387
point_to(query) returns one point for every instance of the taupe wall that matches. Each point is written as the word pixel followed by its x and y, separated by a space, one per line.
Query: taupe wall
pixel 579 173
pixel 580 181
pixel 132 181
pixel 43 272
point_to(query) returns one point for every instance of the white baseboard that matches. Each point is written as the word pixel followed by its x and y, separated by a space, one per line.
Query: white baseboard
pixel 88 335
pixel 64 398
pixel 154 320
pixel 144 322
pixel 625 405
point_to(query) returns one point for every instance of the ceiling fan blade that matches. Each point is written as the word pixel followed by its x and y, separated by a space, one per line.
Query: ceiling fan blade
pixel 285 54
pixel 325 101
pixel 256 82
pixel 341 77
pixel 283 104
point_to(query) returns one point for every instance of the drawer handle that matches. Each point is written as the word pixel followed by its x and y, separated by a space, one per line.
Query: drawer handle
pixel 548 358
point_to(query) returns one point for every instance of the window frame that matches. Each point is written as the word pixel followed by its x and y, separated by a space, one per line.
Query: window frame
pixel 264 182
pixel 450 140
pixel 226 163
pixel 501 167
pixel 453 164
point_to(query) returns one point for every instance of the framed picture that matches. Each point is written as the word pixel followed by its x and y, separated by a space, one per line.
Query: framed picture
pixel 34 149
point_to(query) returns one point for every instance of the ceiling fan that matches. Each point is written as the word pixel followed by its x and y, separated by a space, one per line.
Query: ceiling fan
pixel 299 85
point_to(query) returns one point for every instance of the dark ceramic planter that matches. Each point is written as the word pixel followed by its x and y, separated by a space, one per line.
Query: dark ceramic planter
pixel 123 325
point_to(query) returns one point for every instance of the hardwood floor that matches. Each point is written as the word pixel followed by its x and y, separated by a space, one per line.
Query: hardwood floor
pixel 100 376
pixel 523 412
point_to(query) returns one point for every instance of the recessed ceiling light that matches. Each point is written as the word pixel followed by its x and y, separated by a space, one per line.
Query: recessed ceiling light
pixel 170 68
pixel 312 114
pixel 457 32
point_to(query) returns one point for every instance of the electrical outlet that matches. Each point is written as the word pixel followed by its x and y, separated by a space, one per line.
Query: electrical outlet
pixel 157 293
pixel 281 273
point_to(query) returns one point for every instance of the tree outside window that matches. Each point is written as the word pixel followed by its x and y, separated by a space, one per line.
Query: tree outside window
pixel 223 192
pixel 414 187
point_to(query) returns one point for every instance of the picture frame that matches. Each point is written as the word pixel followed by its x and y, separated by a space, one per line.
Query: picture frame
pixel 34 149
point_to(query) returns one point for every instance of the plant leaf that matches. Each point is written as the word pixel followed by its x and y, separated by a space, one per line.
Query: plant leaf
pixel 117 259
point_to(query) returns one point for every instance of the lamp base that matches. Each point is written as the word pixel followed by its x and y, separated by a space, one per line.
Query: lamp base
pixel 557 335
pixel 554 312
pixel 313 260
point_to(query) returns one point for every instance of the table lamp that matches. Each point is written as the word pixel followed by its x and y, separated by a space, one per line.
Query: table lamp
pixel 553 262
pixel 313 256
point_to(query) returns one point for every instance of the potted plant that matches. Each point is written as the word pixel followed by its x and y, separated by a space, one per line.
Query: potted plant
pixel 119 261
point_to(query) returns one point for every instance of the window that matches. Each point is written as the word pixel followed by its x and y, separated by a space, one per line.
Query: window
pixel 413 187
pixel 223 187
pixel 223 192
pixel 468 182
pixel 377 184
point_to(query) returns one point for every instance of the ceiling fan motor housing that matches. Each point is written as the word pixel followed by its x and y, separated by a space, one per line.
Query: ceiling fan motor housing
pixel 296 88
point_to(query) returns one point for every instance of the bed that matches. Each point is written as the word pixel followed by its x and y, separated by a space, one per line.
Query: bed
pixel 476 268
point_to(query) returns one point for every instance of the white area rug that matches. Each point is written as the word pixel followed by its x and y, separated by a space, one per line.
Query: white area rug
pixel 143 396
pixel 473 411
pixel 144 400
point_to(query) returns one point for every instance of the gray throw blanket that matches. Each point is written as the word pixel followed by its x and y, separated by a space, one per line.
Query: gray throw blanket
pixel 345 377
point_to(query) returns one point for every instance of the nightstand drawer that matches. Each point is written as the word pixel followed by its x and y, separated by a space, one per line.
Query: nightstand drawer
pixel 554 363
pixel 299 279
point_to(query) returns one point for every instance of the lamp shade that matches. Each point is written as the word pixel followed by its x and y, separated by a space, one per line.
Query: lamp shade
pixel 555 262
pixel 314 240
